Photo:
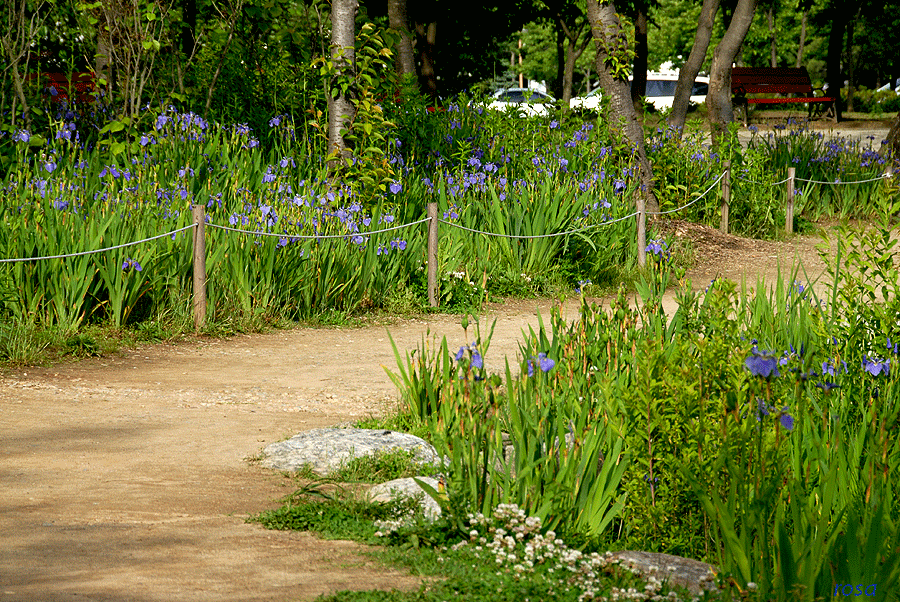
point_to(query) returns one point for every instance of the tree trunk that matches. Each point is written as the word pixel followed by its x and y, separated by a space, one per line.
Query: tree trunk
pixel 800 48
pixel 188 26
pixel 612 71
pixel 573 52
pixel 848 60
pixel 343 55
pixel 834 78
pixel 641 50
pixel 691 68
pixel 426 37
pixel 405 63
pixel 558 85
pixel 773 39
pixel 718 99
pixel 893 139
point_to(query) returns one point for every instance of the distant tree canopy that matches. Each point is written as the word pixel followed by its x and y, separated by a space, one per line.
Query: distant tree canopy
pixel 248 59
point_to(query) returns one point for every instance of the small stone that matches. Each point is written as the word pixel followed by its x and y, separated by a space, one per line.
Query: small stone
pixel 408 488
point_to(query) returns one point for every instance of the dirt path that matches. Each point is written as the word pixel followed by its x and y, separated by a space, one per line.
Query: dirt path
pixel 126 478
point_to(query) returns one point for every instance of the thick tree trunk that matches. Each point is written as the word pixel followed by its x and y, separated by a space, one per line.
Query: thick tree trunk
pixel 612 68
pixel 558 85
pixel 426 38
pixel 188 27
pixel 718 99
pixel 641 50
pixel 691 68
pixel 343 54
pixel 405 63
pixel 893 139
pixel 848 60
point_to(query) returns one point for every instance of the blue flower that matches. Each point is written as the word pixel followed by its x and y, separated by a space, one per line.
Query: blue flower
pixel 396 187
pixel 876 367
pixel 762 365
pixel 787 421
pixel 131 263
pixel 545 362
pixel 477 361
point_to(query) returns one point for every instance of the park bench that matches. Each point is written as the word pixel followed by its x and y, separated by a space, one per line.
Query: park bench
pixel 778 80
pixel 80 85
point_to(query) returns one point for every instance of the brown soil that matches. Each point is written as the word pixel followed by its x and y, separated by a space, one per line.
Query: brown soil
pixel 127 477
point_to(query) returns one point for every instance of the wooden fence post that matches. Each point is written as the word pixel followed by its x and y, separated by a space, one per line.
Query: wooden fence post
pixel 789 204
pixel 199 214
pixel 641 229
pixel 432 254
pixel 726 197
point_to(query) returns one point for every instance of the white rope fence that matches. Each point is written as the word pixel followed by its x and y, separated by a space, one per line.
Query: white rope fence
pixel 705 192
pixel 535 236
pixel 80 253
pixel 317 237
pixel 199 226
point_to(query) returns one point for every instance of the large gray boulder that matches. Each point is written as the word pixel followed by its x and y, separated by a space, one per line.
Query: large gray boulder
pixel 327 450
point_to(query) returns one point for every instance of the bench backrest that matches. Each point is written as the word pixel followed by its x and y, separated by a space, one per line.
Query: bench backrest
pixel 770 80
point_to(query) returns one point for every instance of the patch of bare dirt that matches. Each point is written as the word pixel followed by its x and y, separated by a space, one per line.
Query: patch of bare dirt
pixel 127 477
pixel 717 254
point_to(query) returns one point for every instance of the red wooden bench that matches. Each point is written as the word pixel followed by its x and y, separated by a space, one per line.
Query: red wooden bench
pixel 80 85
pixel 778 80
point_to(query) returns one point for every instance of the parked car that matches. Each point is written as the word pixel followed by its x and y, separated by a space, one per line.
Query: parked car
pixel 525 102
pixel 660 92
pixel 588 102
pixel 887 87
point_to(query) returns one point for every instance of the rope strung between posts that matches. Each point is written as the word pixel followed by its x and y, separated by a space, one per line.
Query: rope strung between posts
pixel 127 244
pixel 321 237
pixel 836 182
pixel 784 181
pixel 713 185
pixel 530 237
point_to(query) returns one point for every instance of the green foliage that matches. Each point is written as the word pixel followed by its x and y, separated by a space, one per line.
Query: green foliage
pixel 331 516
pixel 826 172
pixel 368 131
pixel 382 467
pixel 875 102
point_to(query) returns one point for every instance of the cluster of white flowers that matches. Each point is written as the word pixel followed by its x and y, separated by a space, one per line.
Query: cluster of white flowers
pixel 516 543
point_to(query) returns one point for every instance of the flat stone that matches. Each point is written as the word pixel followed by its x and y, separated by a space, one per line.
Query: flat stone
pixel 692 575
pixel 327 450
pixel 408 488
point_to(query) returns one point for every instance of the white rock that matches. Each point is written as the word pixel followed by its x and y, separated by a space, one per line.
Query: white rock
pixel 404 488
pixel 327 450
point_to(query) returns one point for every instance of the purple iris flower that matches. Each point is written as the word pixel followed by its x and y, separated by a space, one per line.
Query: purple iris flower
pixel 762 365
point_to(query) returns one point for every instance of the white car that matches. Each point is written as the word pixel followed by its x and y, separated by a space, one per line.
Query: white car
pixel 660 93
pixel 661 90
pixel 524 102
pixel 588 102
